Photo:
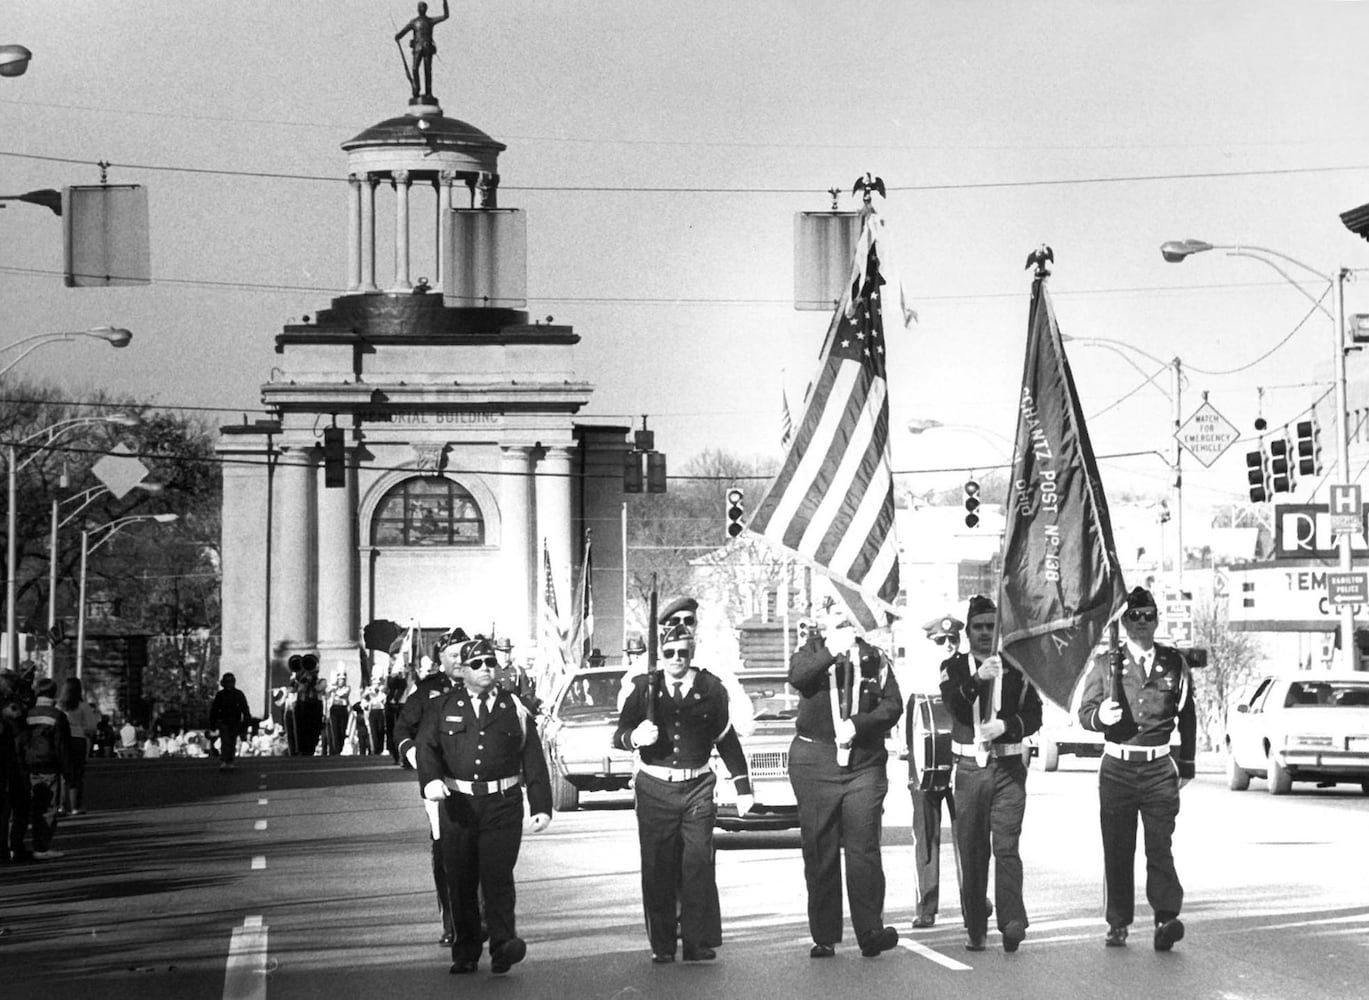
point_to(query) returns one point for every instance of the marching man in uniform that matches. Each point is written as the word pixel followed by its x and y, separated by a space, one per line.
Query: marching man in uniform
pixel 1138 773
pixel 477 749
pixel 673 719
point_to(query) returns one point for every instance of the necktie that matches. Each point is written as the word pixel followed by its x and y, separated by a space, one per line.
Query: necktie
pixel 678 696
pixel 484 709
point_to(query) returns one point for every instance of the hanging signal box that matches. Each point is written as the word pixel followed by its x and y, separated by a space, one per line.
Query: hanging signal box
pixel 1309 448
pixel 1281 475
pixel 1257 475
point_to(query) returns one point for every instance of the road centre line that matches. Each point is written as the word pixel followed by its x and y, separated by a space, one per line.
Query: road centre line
pixel 259 862
pixel 259 825
pixel 917 948
pixel 244 976
pixel 261 802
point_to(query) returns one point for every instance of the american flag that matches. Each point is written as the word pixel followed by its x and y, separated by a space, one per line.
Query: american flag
pixel 786 421
pixel 833 501
pixel 554 636
pixel 582 636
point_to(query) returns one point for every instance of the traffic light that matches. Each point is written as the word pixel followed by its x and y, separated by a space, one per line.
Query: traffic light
pixel 334 458
pixel 734 513
pixel 971 503
pixel 632 472
pixel 1309 447
pixel 655 472
pixel 1281 475
pixel 1257 475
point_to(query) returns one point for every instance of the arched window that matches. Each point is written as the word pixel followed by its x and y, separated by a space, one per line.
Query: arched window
pixel 428 510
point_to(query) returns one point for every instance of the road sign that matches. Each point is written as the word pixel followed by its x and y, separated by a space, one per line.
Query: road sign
pixel 1181 633
pixel 1347 512
pixel 1347 588
pixel 120 471
pixel 1206 434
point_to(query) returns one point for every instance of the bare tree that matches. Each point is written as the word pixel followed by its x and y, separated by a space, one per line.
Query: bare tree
pixel 1232 662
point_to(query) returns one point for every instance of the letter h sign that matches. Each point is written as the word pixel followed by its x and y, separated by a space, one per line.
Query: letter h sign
pixel 1345 509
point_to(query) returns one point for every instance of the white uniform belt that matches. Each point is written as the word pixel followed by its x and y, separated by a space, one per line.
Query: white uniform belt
pixel 484 787
pixel 672 773
pixel 1123 751
pixel 995 749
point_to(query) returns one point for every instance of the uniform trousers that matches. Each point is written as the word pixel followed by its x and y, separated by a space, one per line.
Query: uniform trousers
pixel 308 725
pixel 927 809
pixel 479 839
pixel 375 720
pixel 990 803
pixel 1149 789
pixel 840 808
pixel 679 885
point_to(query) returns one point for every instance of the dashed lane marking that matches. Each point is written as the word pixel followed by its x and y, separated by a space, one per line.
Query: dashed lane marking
pixel 259 863
pixel 259 825
pixel 244 977
pixel 917 948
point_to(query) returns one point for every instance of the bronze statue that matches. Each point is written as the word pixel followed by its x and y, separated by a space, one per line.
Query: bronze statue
pixel 422 47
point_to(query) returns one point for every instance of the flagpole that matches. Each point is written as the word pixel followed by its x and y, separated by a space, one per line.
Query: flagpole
pixel 624 531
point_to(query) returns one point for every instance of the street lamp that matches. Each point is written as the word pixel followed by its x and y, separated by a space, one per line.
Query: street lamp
pixel 115 336
pixel 82 500
pixel 12 517
pixel 106 532
pixel 921 425
pixel 1175 251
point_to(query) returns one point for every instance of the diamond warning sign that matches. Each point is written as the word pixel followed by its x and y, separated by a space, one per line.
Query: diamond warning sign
pixel 1206 435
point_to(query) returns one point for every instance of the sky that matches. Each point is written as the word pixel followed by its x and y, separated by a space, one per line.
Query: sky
pixel 1099 128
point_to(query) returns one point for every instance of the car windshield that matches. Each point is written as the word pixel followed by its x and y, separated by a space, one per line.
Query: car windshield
pixel 1335 694
pixel 771 697
pixel 591 698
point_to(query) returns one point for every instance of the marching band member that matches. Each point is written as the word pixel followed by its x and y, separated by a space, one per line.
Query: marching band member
pixel 338 699
pixel 838 767
pixel 994 709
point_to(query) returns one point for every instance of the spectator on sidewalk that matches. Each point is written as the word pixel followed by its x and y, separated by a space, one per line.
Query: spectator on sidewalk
pixel 83 721
pixel 46 752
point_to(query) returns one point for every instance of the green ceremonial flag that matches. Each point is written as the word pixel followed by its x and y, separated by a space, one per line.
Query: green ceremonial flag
pixel 1061 580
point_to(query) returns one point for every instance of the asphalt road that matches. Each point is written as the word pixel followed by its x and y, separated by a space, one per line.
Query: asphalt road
pixel 296 877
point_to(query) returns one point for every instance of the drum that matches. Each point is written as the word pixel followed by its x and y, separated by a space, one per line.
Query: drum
pixel 929 743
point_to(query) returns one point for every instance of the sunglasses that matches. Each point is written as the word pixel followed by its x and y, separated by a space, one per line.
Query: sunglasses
pixel 483 663
pixel 1142 616
pixel 945 640
pixel 680 620
pixel 673 652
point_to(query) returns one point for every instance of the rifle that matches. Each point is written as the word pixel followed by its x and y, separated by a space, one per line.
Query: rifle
pixel 1125 727
pixel 845 697
pixel 652 645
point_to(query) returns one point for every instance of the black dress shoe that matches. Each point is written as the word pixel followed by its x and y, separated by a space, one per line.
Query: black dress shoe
pixel 1168 934
pixel 921 922
pixel 446 939
pixel 1116 937
pixel 1013 935
pixel 876 942
pixel 699 954
pixel 464 966
pixel 974 944
pixel 662 958
pixel 508 954
pixel 820 950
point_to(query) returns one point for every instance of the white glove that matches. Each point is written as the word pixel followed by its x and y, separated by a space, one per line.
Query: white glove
pixel 1110 712
pixel 987 732
pixel 645 734
pixel 745 803
pixel 841 640
pixel 845 730
pixel 436 790
pixel 539 822
pixel 411 755
pixel 990 668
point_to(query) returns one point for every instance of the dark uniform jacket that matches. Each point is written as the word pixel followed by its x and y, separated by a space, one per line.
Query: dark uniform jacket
pixel 876 703
pixel 960 686
pixel 453 742
pixel 688 731
pixel 411 712
pixel 230 711
pixel 1158 702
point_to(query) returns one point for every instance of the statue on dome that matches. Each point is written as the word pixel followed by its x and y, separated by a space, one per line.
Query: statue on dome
pixel 422 47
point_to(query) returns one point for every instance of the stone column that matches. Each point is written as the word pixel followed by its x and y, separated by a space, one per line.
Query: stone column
pixel 444 226
pixel 402 182
pixel 519 554
pixel 338 630
pixel 353 233
pixel 292 620
pixel 368 235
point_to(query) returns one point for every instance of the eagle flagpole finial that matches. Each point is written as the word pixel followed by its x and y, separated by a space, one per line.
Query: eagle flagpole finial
pixel 1040 258
pixel 868 184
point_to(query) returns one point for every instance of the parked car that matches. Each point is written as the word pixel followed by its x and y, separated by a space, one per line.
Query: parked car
pixel 577 735
pixel 774 705
pixel 1300 727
